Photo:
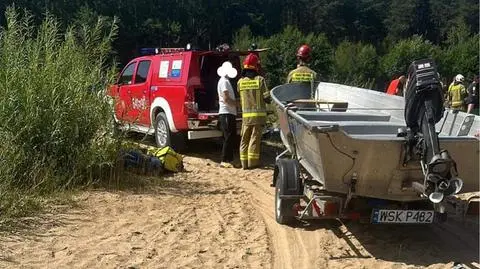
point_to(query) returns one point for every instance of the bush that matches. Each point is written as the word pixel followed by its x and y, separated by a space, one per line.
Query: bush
pixel 403 53
pixel 54 121
pixel 356 64
pixel 243 38
pixel 461 56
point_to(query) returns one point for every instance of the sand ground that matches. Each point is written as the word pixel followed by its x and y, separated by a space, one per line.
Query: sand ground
pixel 211 217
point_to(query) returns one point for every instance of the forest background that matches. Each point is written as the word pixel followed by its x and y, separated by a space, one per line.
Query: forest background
pixel 362 43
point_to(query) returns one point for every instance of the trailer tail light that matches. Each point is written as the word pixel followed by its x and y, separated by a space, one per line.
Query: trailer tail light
pixel 330 208
pixel 325 208
pixel 354 215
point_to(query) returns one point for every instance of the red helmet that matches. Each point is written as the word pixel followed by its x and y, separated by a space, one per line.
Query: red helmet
pixel 251 62
pixel 304 52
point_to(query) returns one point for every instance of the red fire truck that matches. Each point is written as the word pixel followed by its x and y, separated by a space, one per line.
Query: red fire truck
pixel 171 93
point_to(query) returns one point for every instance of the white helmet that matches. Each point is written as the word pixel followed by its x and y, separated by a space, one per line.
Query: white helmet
pixel 459 78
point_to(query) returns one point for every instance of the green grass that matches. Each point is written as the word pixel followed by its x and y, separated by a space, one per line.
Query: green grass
pixel 54 118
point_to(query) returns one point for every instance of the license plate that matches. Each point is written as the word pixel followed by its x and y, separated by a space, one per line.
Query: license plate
pixel 402 216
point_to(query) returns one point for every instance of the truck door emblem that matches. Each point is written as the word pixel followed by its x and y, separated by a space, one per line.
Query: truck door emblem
pixel 139 104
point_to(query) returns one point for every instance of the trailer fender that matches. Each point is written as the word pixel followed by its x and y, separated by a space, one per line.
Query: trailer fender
pixel 288 171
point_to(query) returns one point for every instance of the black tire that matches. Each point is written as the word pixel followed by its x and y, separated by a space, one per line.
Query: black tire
pixel 283 207
pixel 162 131
pixel 287 182
pixel 289 171
pixel 164 137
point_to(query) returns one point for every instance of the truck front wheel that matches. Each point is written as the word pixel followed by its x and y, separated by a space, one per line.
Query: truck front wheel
pixel 163 136
pixel 162 131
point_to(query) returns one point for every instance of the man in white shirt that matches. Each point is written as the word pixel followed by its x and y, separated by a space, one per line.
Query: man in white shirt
pixel 227 112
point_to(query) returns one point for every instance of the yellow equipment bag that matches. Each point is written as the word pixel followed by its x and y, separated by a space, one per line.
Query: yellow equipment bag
pixel 170 160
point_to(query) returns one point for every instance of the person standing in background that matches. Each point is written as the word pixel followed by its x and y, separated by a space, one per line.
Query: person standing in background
pixel 396 86
pixel 253 98
pixel 227 112
pixel 457 93
pixel 303 74
pixel 472 100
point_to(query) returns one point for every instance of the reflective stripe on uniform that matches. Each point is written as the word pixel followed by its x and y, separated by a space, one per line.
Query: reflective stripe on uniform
pixel 457 103
pixel 302 77
pixel 253 156
pixel 249 85
pixel 254 114
pixel 243 156
pixel 259 97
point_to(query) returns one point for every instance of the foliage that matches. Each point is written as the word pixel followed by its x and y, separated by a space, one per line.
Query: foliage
pixel 397 60
pixel 383 24
pixel 461 53
pixel 54 120
pixel 175 22
pixel 243 38
pixel 356 63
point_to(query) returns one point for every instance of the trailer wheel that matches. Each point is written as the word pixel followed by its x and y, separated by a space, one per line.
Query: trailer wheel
pixel 287 182
pixel 283 207
pixel 289 171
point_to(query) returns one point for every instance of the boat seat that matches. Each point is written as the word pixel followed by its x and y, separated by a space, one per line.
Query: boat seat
pixel 342 116
pixel 370 128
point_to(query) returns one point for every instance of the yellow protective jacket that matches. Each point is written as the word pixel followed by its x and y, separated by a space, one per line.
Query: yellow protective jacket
pixel 456 95
pixel 253 93
pixel 302 74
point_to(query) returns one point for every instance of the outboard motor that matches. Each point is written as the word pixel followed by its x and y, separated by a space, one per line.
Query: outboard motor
pixel 423 109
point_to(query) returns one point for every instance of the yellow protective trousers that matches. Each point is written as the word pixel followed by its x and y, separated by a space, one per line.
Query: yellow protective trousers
pixel 250 145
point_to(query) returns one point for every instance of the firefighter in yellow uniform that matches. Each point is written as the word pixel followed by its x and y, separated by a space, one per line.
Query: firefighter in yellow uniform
pixel 253 96
pixel 457 93
pixel 303 74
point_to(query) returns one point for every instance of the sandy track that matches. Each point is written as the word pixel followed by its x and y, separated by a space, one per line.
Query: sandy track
pixel 331 244
pixel 210 217
pixel 196 219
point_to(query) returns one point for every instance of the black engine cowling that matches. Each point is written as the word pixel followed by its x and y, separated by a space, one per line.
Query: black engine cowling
pixel 423 84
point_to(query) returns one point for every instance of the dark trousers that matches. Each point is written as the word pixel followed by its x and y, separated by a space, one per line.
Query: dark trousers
pixel 228 125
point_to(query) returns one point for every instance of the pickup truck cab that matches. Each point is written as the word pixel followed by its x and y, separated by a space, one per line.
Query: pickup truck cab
pixel 171 93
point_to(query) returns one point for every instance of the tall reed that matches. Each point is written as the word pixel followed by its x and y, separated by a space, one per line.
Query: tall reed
pixel 54 119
